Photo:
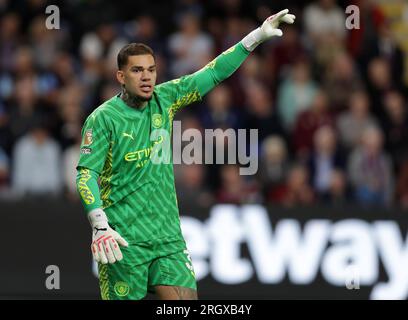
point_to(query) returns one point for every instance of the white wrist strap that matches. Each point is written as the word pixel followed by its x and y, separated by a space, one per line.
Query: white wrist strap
pixel 253 39
pixel 97 216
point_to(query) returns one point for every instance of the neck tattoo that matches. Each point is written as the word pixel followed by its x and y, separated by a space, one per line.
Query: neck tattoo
pixel 132 100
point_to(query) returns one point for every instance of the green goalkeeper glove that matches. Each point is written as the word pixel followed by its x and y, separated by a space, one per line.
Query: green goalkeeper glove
pixel 105 240
pixel 268 29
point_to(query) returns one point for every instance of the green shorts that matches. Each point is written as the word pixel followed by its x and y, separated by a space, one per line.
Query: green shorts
pixel 144 266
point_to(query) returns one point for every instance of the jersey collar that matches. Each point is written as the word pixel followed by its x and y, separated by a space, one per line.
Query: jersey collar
pixel 135 113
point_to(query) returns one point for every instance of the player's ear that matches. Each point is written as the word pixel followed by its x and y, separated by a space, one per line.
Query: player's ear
pixel 120 76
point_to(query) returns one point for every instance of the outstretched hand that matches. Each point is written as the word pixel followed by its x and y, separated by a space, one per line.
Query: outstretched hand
pixel 268 29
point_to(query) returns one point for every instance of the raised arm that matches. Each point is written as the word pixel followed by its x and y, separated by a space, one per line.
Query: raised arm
pixel 193 87
pixel 220 68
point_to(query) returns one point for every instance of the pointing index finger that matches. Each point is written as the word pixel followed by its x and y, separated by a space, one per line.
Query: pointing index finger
pixel 278 15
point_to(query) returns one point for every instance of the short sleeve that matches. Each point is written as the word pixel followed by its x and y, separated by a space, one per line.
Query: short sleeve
pixel 96 137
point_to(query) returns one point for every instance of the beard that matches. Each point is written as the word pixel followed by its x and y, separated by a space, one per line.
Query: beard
pixel 134 100
pixel 144 99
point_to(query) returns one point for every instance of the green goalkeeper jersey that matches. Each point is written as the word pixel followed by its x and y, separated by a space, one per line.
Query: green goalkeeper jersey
pixel 120 144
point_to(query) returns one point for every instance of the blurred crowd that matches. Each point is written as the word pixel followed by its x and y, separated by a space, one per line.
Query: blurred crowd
pixel 330 104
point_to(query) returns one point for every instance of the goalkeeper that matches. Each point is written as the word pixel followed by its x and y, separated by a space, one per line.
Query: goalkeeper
pixel 133 211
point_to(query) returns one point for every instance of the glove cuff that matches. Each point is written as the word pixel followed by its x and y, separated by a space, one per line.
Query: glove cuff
pixel 253 39
pixel 97 216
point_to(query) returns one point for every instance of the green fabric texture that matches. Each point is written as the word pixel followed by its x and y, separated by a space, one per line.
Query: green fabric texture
pixel 120 145
pixel 88 189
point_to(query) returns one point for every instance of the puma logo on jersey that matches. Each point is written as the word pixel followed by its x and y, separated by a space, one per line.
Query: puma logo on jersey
pixel 128 135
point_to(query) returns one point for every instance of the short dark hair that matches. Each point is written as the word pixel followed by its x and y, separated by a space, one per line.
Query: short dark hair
pixel 132 49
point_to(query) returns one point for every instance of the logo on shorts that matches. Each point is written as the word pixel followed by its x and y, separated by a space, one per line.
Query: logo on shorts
pixel 88 138
pixel 157 120
pixel 121 288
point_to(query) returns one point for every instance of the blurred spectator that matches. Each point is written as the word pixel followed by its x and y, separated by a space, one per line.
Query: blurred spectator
pixel 296 191
pixel 98 50
pixel 188 120
pixel 251 72
pixel 45 43
pixel 4 170
pixel 70 115
pixel 162 67
pixel 101 44
pixel 96 12
pixel 361 40
pixel 324 19
pixel 341 79
pixel 24 107
pixel 25 71
pixel 183 6
pixel 387 47
pixel 144 30
pixel 395 126
pixel 28 10
pixel 352 123
pixel 338 193
pixel 307 124
pixel 229 8
pixel 24 63
pixel 324 160
pixel 296 94
pixel 190 47
pixel 325 29
pixel 10 39
pixel 219 113
pixel 191 187
pixel 379 83
pixel 107 91
pixel 233 34
pixel 261 112
pixel 285 53
pixel 6 85
pixel 274 164
pixel 5 134
pixel 36 164
pixel 370 171
pixel 184 121
pixel 215 27
pixel 70 158
pixel 402 186
pixel 64 69
pixel 235 188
